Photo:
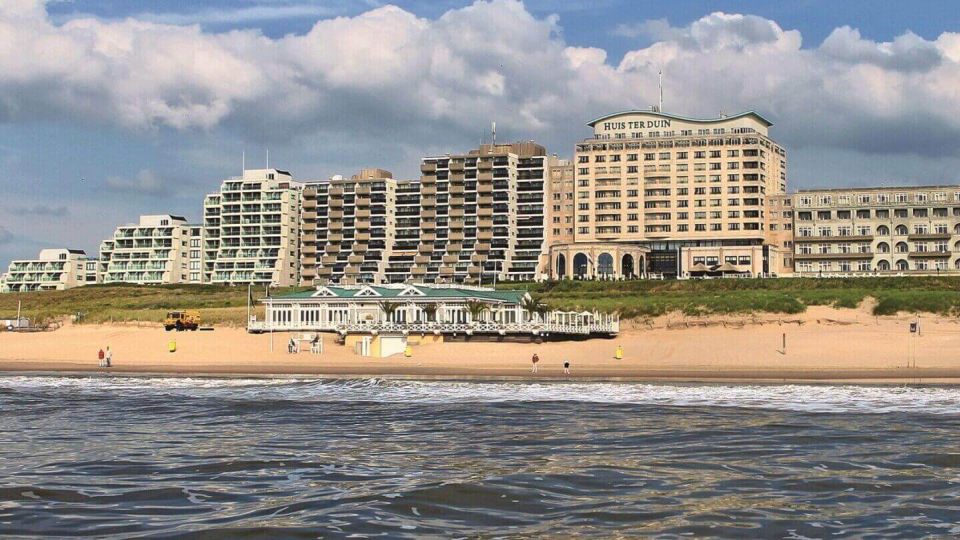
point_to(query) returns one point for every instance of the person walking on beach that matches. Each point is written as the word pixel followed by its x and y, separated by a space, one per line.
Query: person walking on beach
pixel 109 357
pixel 100 358
pixel 534 360
pixel 566 367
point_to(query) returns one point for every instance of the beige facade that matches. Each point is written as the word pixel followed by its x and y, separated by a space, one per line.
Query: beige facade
pixel 252 229
pixel 888 229
pixel 599 260
pixel 154 251
pixel 52 270
pixel 669 183
pixel 780 229
pixel 482 215
pixel 348 228
pixel 560 203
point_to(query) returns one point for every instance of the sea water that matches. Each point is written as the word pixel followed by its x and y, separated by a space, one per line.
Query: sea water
pixel 139 457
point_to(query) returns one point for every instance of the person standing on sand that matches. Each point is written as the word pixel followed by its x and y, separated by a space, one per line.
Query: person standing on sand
pixel 100 357
pixel 534 360
pixel 566 367
pixel 109 357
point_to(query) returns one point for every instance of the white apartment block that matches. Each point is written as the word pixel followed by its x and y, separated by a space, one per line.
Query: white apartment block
pixel 154 251
pixel 52 270
pixel 899 230
pixel 252 230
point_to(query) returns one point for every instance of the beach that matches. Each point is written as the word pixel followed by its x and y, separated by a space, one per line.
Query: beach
pixel 823 344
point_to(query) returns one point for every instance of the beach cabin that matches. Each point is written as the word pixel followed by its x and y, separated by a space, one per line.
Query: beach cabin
pixel 454 311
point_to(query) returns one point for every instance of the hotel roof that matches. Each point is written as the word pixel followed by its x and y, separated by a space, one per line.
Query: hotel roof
pixel 684 118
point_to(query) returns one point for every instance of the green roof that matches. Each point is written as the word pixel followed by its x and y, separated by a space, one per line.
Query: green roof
pixel 428 291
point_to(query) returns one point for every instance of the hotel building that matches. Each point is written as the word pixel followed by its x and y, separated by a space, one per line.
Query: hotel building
pixel 662 194
pixel 158 250
pixel 349 226
pixel 52 270
pixel 252 229
pixel 881 229
pixel 482 215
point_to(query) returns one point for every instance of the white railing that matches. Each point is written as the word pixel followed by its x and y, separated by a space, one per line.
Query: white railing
pixel 481 327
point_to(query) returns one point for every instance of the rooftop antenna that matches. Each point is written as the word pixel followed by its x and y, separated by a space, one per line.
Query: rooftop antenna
pixel 493 129
pixel 660 107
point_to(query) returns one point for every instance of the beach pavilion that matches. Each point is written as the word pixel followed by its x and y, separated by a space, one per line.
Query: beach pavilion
pixel 425 309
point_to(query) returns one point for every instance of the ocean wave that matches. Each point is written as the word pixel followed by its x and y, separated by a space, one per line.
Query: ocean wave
pixel 789 397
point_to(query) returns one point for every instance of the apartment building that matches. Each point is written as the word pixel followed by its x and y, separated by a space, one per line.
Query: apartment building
pixel 406 235
pixel 664 194
pixel 482 215
pixel 349 227
pixel 252 229
pixel 780 228
pixel 879 229
pixel 154 251
pixel 560 206
pixel 52 270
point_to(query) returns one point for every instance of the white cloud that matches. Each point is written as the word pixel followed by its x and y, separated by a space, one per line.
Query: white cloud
pixel 388 75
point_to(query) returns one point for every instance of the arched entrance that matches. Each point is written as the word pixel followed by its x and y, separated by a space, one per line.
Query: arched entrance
pixel 903 265
pixel 883 266
pixel 605 265
pixel 561 266
pixel 626 267
pixel 580 266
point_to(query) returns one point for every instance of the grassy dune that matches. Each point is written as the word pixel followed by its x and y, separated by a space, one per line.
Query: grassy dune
pixel 632 299
pixel 696 297
pixel 122 303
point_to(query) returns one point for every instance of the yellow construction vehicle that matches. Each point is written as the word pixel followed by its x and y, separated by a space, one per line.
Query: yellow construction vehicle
pixel 182 320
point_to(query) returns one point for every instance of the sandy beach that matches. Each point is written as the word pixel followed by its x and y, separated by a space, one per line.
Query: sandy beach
pixel 823 344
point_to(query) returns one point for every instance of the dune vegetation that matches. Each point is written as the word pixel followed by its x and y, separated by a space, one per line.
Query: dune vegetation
pixel 631 299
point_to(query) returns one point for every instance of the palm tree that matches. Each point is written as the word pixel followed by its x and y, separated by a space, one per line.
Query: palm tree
pixel 430 310
pixel 389 308
pixel 532 307
pixel 476 309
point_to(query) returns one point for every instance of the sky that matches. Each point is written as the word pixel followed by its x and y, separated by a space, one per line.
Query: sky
pixel 114 108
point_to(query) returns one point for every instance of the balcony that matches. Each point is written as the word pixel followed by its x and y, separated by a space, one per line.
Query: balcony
pixel 822 239
pixel 481 247
pixel 823 256
pixel 334 237
pixel 363 213
pixel 328 260
pixel 428 168
pixel 446 271
pixel 450 259
pixel 929 236
pixel 362 237
pixel 336 214
pixel 929 254
pixel 355 259
pixel 421 259
pixel 425 248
